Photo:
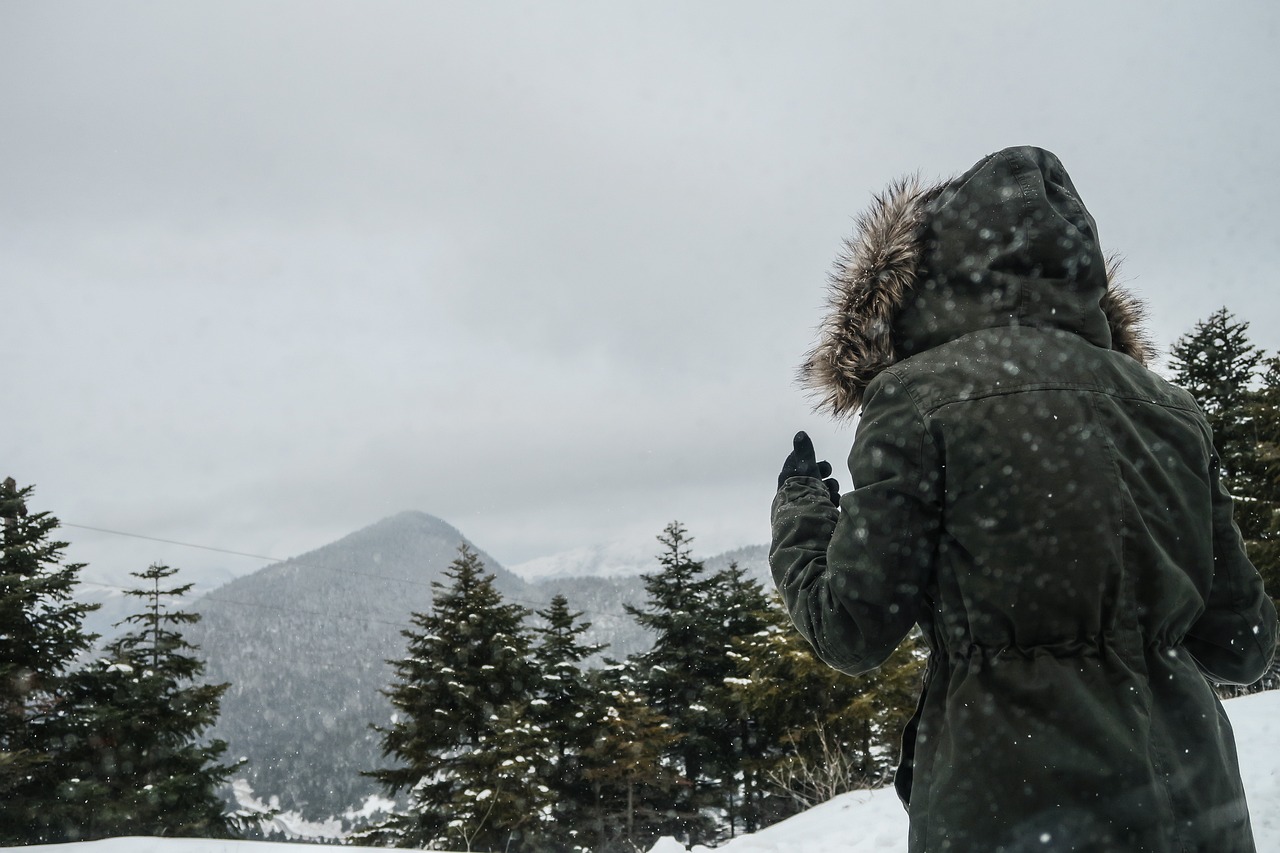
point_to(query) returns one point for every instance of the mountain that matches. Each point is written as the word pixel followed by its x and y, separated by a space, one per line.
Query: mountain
pixel 601 602
pixel 616 559
pixel 304 644
pixel 629 559
pixel 754 559
pixel 601 581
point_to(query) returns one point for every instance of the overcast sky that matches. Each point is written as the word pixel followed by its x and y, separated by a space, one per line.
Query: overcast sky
pixel 271 271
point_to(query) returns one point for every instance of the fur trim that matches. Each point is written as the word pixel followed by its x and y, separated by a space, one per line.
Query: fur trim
pixel 1127 317
pixel 873 274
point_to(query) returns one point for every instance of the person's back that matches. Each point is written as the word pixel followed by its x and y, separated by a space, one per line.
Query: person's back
pixel 1047 510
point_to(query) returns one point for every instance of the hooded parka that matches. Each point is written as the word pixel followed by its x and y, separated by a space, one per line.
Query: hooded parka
pixel 1045 509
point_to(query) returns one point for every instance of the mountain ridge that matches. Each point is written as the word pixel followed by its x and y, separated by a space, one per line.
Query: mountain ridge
pixel 305 646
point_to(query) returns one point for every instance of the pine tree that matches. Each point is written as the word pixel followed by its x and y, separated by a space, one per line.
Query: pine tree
pixel 467 664
pixel 501 801
pixel 679 672
pixel 41 635
pixel 130 736
pixel 1217 363
pixel 737 608
pixel 819 732
pixel 1263 524
pixel 635 789
pixel 568 709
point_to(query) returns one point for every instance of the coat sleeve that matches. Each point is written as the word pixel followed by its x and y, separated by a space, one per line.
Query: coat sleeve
pixel 853 579
pixel 1234 640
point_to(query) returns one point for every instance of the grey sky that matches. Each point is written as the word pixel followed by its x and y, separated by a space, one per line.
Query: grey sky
pixel 274 270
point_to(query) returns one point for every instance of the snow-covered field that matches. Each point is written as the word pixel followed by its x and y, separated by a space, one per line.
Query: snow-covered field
pixel 861 822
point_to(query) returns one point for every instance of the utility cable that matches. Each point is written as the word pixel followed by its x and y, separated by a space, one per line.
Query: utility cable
pixel 296 562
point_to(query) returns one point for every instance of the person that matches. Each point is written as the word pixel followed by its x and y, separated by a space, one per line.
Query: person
pixel 1048 512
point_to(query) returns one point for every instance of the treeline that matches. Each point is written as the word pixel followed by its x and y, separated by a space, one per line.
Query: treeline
pixel 503 741
pixel 109 745
pixel 1237 384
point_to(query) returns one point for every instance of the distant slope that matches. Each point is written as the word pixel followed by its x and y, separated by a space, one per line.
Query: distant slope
pixel 601 601
pixel 629 559
pixel 616 559
pixel 304 644
pixel 754 559
pixel 605 589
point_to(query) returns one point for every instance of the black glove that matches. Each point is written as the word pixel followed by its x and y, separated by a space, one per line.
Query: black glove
pixel 803 463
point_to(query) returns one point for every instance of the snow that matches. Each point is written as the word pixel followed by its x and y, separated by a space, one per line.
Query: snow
pixel 859 822
pixel 1256 720
pixel 866 821
pixel 615 559
pixel 173 845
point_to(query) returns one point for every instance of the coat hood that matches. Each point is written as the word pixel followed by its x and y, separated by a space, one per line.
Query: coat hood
pixel 1008 243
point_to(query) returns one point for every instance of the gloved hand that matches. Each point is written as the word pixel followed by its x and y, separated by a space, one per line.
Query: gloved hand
pixel 803 463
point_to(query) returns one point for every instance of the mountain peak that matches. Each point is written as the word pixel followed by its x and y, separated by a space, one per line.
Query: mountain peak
pixel 415 520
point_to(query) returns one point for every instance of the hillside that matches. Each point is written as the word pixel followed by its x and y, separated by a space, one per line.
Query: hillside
pixel 304 644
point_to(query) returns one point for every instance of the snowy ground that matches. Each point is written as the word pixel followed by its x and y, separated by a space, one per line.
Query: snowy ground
pixel 861 822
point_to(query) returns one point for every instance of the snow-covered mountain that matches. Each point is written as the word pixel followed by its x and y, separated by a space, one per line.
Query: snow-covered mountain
pixel 860 822
pixel 616 559
pixel 629 559
pixel 304 645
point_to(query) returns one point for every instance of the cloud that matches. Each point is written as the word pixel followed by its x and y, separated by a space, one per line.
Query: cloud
pixel 273 272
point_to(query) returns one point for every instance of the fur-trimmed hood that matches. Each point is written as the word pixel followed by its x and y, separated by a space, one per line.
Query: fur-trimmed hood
pixel 1009 243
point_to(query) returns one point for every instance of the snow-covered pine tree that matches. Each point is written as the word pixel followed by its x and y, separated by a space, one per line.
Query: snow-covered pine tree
pixel 466 663
pixel 737 608
pixel 634 787
pixel 1263 527
pixel 131 753
pixel 41 634
pixel 816 731
pixel 1221 368
pixel 568 708
pixel 1218 364
pixel 679 672
pixel 501 802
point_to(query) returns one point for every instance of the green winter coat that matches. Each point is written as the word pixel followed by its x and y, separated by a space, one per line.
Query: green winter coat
pixel 1046 509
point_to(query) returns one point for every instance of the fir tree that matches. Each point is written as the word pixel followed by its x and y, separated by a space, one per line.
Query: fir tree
pixel 679 671
pixel 467 664
pixel 500 801
pixel 1217 363
pixel 635 789
pixel 131 753
pixel 817 731
pixel 737 608
pixel 697 618
pixel 568 709
pixel 41 634
pixel 1262 527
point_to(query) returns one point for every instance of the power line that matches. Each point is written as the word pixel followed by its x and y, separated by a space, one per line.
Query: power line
pixel 296 562
pixel 261 606
pixel 172 542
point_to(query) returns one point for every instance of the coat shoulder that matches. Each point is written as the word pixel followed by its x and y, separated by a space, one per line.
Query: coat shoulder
pixel 1011 360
